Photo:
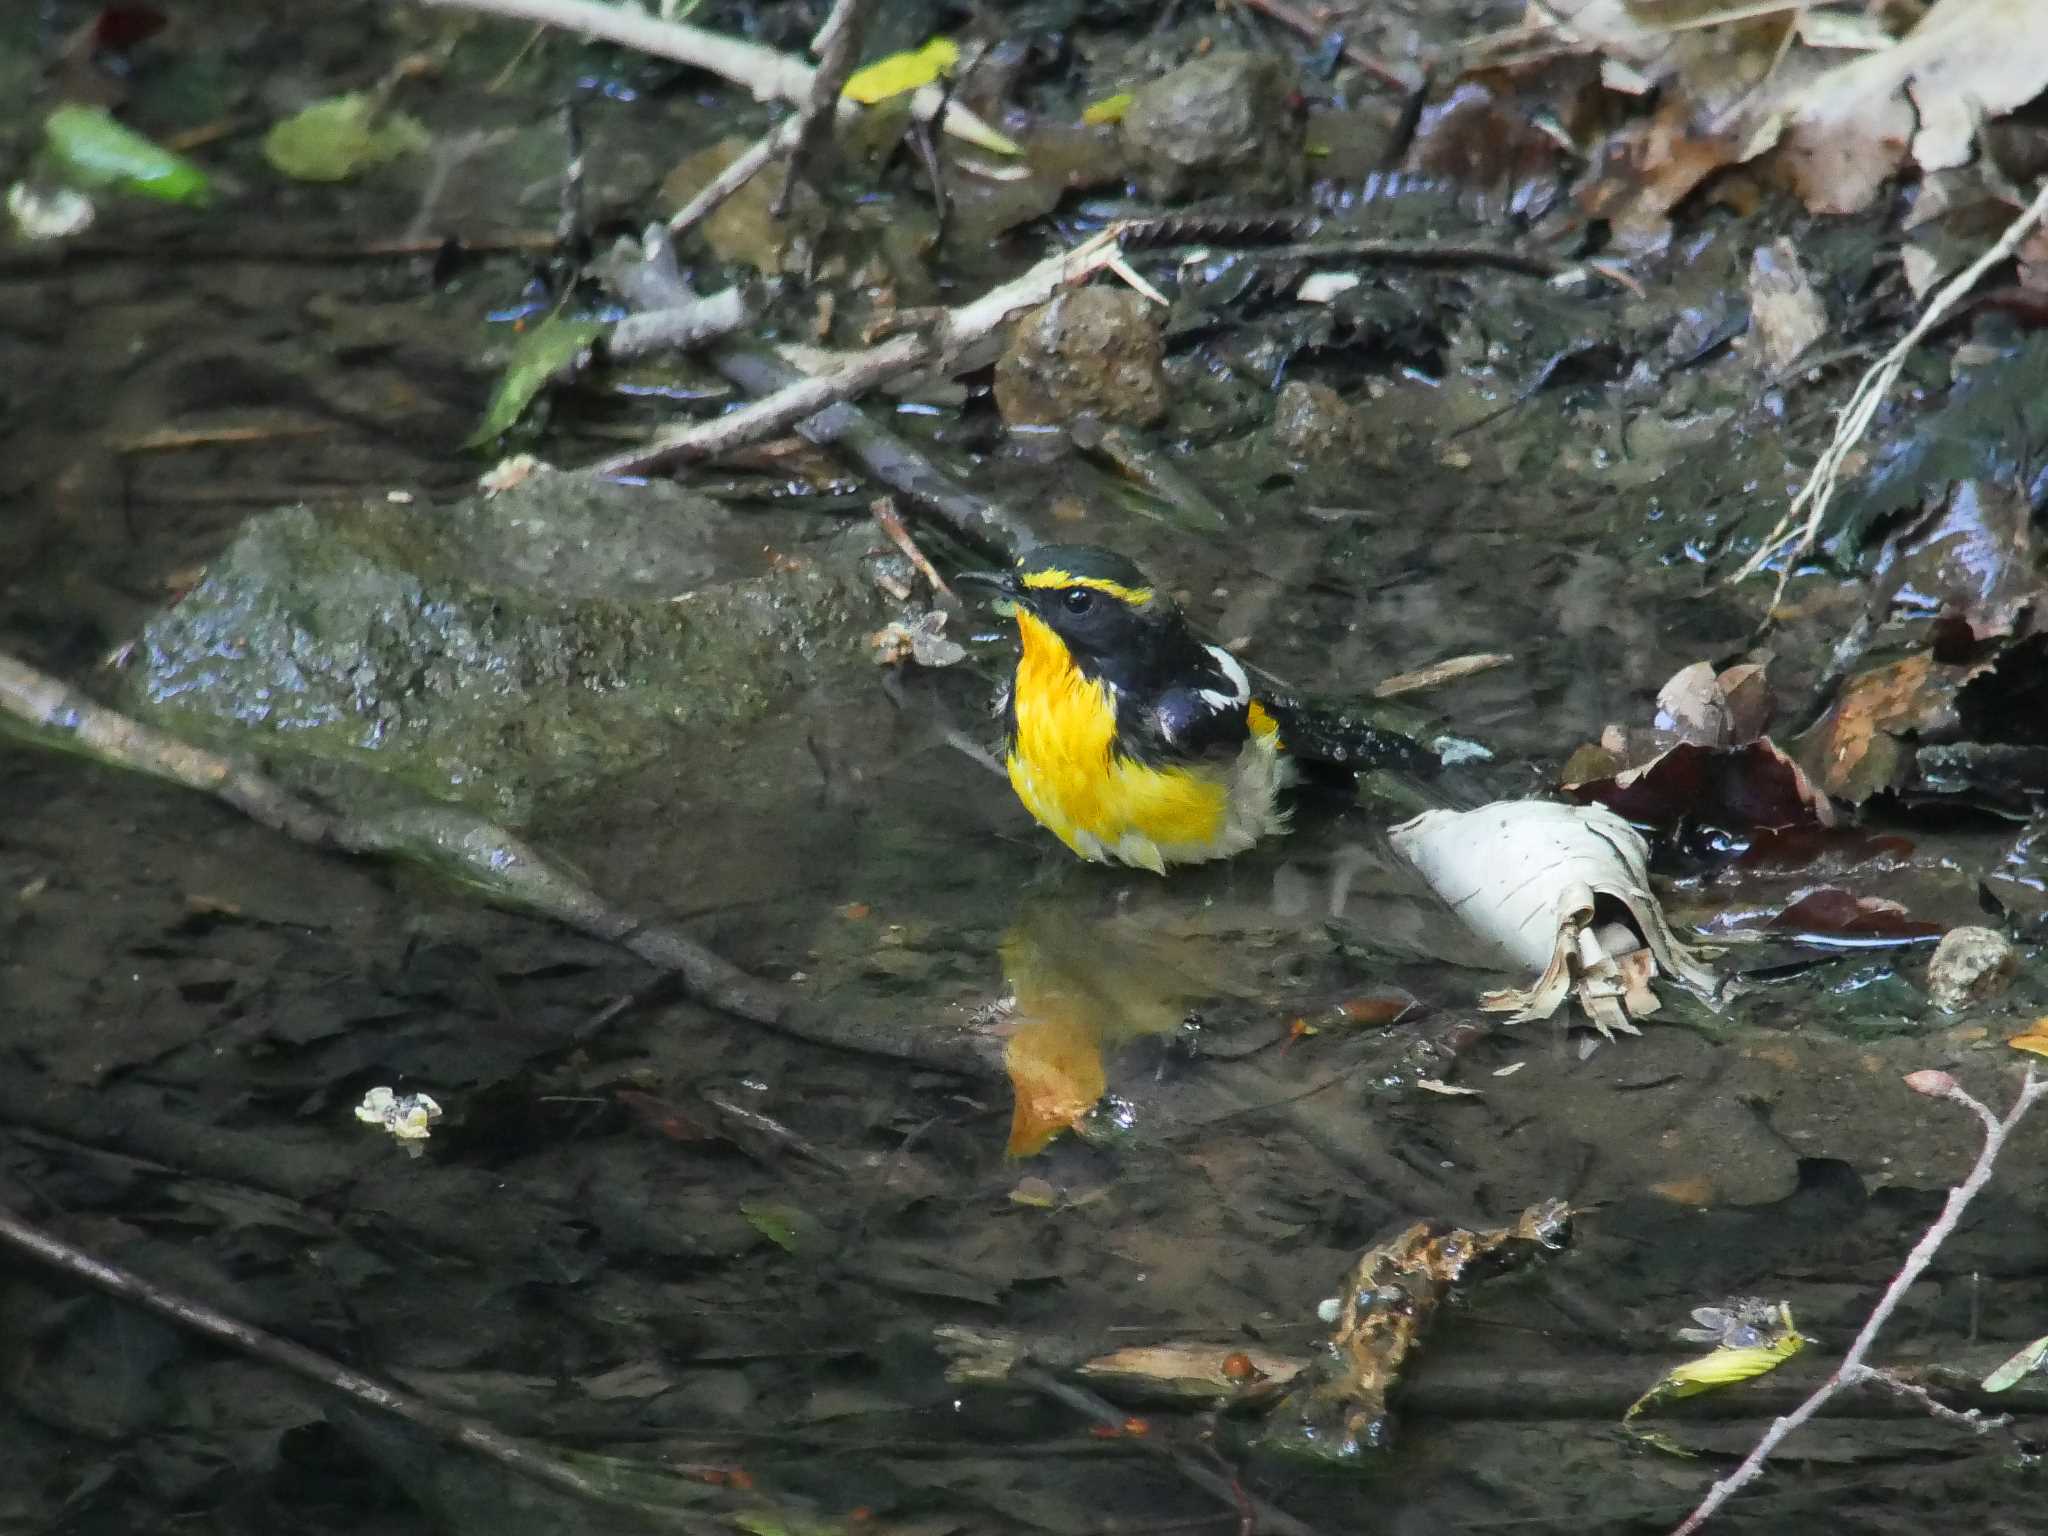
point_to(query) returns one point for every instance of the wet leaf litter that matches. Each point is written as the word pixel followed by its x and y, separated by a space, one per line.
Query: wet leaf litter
pixel 769 1051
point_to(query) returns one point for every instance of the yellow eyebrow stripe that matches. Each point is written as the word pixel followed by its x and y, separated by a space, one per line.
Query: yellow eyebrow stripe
pixel 1137 597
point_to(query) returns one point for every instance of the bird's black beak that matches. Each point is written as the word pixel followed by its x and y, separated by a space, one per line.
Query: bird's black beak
pixel 1003 584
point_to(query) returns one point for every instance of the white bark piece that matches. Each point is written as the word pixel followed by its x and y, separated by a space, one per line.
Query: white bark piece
pixel 1528 876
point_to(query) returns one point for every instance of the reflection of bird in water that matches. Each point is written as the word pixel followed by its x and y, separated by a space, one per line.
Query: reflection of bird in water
pixel 1134 741
pixel 1083 982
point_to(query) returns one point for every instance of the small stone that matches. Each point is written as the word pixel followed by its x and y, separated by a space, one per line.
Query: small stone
pixel 1090 352
pixel 1224 126
pixel 1969 966
pixel 1314 422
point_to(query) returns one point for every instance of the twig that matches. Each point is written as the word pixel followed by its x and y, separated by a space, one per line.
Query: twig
pixel 837 49
pixel 770 75
pixel 1861 409
pixel 186 1312
pixel 1435 675
pixel 884 513
pixel 950 330
pixel 679 327
pixel 472 850
pixel 763 418
pixel 648 278
pixel 1421 253
pixel 748 164
pixel 1938 1085
pixel 1972 1419
pixel 1407 82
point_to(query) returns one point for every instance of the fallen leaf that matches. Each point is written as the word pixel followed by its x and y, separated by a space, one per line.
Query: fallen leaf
pixel 1858 749
pixel 341 137
pixel 555 348
pixel 2020 1366
pixel 1110 109
pixel 1830 912
pixel 1842 136
pixel 787 1227
pixel 90 149
pixel 2033 1038
pixel 901 72
pixel 1754 786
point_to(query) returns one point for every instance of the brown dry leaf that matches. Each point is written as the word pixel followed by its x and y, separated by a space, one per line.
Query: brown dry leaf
pixel 1651 166
pixel 1856 749
pixel 1844 134
pixel 1691 705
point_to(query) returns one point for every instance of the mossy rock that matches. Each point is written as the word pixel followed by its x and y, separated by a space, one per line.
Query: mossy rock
pixel 502 652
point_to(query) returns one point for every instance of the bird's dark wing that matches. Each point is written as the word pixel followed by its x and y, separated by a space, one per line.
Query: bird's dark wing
pixel 1200 712
pixel 1342 737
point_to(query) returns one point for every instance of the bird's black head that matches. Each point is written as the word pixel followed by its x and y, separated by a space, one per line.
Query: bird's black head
pixel 1106 611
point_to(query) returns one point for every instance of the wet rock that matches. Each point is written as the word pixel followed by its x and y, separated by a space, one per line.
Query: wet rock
pixel 1969 966
pixel 1315 423
pixel 1223 126
pixel 1090 352
pixel 506 652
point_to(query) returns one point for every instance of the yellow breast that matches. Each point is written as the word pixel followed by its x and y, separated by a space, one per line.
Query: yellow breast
pixel 1104 807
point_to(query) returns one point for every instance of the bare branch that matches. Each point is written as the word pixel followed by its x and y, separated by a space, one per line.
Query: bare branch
pixel 1852 1368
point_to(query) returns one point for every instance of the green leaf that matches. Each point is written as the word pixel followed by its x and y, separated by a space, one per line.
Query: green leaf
pixel 341 137
pixel 2020 1366
pixel 555 348
pixel 88 148
pixel 783 1225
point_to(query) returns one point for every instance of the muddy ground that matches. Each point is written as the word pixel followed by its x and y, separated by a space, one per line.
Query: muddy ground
pixel 607 1245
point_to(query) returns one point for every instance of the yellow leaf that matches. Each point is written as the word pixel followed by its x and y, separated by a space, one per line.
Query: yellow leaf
pixel 901 72
pixel 1110 109
pixel 2033 1038
pixel 1725 1367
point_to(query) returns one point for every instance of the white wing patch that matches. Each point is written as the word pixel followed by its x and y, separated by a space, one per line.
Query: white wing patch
pixel 1229 666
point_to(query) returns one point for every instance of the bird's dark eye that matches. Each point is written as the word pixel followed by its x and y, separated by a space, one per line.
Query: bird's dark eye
pixel 1078 599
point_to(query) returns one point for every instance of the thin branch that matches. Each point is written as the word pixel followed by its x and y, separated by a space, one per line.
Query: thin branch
pixel 1936 1085
pixel 1407 81
pixel 679 327
pixel 1972 1419
pixel 770 75
pixel 474 851
pixel 647 277
pixel 948 331
pixel 837 49
pixel 748 164
pixel 1819 491
pixel 441 1423
pixel 764 418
